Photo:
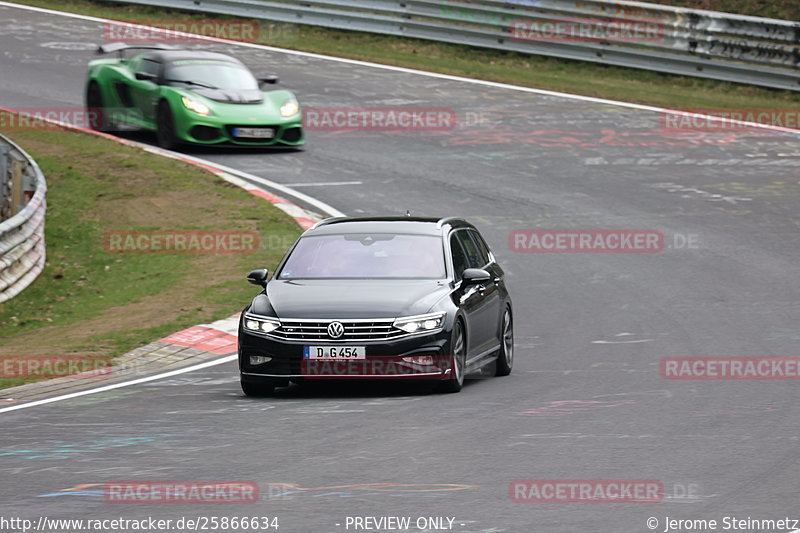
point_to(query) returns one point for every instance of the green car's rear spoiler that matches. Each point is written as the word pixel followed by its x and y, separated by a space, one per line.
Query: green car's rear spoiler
pixel 110 48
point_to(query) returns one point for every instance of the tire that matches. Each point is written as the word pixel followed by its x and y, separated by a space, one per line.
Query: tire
pixel 94 103
pixel 165 127
pixel 458 346
pixel 257 389
pixel 505 357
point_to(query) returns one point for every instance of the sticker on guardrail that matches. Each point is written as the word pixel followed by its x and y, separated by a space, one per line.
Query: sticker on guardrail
pixel 587 30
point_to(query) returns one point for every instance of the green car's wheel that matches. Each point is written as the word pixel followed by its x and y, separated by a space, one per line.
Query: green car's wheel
pixel 165 127
pixel 459 349
pixel 95 109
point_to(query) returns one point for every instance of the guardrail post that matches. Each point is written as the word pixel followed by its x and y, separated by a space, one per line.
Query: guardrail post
pixel 5 207
pixel 17 169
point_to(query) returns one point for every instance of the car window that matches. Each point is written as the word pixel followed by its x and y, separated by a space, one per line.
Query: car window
pixel 149 66
pixel 483 248
pixel 460 263
pixel 365 256
pixel 211 73
pixel 474 259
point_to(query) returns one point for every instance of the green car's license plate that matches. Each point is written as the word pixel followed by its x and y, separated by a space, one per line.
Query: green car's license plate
pixel 253 133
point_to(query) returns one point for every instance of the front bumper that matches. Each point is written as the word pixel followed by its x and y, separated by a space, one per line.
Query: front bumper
pixel 210 131
pixel 384 359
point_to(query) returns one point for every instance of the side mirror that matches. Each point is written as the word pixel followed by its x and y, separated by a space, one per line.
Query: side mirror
pixel 473 276
pixel 145 76
pixel 272 79
pixel 258 277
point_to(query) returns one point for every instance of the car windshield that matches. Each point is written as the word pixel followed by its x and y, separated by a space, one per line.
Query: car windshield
pixel 366 255
pixel 211 74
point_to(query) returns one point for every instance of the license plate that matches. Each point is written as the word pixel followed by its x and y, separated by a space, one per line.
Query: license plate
pixel 254 133
pixel 334 353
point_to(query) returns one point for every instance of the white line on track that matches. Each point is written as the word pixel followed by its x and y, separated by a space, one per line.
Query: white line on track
pixel 325 183
pixel 113 386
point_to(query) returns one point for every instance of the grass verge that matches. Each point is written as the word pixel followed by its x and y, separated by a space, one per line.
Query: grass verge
pixel 615 83
pixel 776 9
pixel 89 301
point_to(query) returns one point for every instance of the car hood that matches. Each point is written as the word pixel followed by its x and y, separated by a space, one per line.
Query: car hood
pixel 343 299
pixel 231 96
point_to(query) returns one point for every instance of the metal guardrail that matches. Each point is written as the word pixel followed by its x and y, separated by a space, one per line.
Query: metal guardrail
pixel 708 44
pixel 22 209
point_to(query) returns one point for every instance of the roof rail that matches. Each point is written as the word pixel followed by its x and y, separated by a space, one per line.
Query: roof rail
pixel 326 221
pixel 445 220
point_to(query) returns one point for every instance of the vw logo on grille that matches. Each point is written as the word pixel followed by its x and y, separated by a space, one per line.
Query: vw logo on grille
pixel 335 330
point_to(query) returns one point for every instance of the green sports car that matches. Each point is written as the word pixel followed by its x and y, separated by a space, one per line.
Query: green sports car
pixel 189 96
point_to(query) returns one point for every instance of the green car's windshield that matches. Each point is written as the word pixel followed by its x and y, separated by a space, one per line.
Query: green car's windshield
pixel 211 74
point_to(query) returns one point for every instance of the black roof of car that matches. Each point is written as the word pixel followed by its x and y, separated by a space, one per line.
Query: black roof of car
pixel 399 224
pixel 167 56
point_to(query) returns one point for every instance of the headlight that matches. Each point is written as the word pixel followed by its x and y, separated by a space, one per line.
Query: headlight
pixel 198 107
pixel 290 107
pixel 261 325
pixel 420 323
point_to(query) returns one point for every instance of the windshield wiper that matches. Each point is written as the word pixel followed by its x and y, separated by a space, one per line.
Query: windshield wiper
pixel 197 83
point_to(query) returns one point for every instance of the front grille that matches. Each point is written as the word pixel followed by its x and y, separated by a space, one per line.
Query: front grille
pixel 205 133
pixel 354 330
pixel 292 135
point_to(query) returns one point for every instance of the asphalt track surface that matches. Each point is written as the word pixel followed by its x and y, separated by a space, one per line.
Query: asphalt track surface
pixel 585 400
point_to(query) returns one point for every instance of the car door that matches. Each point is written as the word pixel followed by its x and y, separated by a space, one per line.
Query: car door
pixel 495 288
pixel 467 298
pixel 144 93
pixel 486 311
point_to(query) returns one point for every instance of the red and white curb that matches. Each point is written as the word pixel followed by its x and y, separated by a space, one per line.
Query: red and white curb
pixel 219 337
